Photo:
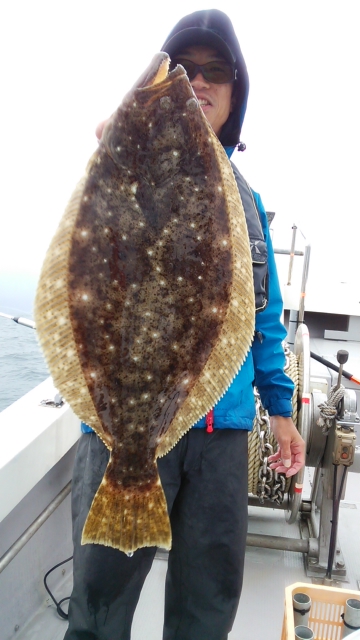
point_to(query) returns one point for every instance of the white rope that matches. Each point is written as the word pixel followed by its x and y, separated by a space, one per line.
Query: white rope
pixel 329 408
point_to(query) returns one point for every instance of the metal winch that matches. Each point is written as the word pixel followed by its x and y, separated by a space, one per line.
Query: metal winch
pixel 326 422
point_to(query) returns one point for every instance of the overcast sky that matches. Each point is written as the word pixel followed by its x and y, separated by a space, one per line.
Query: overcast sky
pixel 66 66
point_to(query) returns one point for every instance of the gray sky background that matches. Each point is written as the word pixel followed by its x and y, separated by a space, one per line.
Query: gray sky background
pixel 66 66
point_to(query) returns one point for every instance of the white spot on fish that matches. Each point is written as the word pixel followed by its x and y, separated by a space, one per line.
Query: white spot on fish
pixel 175 153
pixel 105 260
pixel 155 335
pixel 93 374
pixel 192 225
pixel 108 306
pixel 84 233
pixel 199 277
pixel 111 347
pixel 180 279
pixel 85 296
pixel 141 224
pixel 224 242
pixel 106 231
pixel 150 252
pixel 85 199
pixel 118 149
pixel 219 188
pixel 214 309
pixel 123 237
pixel 198 238
pixel 166 231
pixel 109 212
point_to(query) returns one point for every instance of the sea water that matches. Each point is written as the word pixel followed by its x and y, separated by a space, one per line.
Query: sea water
pixel 22 365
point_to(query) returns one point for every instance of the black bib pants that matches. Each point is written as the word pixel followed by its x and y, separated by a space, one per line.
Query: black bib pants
pixel 205 482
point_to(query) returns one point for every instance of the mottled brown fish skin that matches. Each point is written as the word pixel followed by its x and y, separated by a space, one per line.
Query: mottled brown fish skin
pixel 150 281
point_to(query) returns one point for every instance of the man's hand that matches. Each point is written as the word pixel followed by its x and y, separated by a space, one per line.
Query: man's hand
pixel 290 456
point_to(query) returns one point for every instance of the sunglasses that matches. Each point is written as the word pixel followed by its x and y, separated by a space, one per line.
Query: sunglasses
pixel 218 72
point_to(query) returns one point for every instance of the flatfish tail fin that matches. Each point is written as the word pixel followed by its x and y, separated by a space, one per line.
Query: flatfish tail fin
pixel 128 518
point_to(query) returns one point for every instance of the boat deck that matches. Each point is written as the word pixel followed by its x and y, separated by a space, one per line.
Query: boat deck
pixel 267 573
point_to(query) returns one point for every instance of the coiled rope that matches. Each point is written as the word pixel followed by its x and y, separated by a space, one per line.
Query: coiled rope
pixel 329 408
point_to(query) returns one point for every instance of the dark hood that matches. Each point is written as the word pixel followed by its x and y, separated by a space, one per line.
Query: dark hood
pixel 222 36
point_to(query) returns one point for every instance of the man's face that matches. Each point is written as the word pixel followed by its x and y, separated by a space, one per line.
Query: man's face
pixel 215 99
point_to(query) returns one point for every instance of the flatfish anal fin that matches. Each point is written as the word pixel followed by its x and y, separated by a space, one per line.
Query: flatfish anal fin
pixel 128 519
pixel 53 322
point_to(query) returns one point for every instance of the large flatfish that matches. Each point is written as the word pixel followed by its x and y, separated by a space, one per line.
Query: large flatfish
pixel 145 305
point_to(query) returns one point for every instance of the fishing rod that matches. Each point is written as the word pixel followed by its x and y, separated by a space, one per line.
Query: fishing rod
pixel 346 374
pixel 23 321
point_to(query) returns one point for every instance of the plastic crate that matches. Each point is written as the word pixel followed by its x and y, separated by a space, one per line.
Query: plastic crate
pixel 327 605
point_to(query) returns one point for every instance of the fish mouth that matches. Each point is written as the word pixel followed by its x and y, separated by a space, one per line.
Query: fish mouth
pixel 162 71
pixel 158 72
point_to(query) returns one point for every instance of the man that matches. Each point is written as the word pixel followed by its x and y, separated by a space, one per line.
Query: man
pixel 205 476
